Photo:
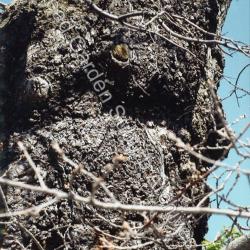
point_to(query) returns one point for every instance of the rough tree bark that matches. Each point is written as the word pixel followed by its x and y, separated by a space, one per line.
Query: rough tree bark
pixel 116 108
pixel 241 243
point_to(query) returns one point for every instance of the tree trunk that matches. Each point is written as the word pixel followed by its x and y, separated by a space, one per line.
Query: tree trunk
pixel 241 243
pixel 114 99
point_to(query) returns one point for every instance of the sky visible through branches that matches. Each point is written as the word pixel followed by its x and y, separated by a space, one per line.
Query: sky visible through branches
pixel 237 28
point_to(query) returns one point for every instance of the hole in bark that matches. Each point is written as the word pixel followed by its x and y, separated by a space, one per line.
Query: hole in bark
pixel 54 241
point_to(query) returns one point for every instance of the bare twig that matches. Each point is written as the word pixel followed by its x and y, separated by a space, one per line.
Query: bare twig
pixel 32 164
pixel 3 6
pixel 123 207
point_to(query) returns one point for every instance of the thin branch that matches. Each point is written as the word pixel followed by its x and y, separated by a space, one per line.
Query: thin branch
pixel 112 246
pixel 111 16
pixel 238 77
pixel 226 42
pixel 3 6
pixel 141 29
pixel 182 210
pixel 100 182
pixel 32 164
pixel 35 210
pixel 124 207
pixel 23 228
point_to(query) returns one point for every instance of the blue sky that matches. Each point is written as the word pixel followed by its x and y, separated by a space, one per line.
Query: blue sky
pixel 237 27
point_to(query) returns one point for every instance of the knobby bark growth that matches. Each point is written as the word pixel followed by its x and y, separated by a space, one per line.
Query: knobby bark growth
pixel 125 98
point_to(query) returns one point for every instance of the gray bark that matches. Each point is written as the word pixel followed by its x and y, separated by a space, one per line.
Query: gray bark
pixel 241 243
pixel 49 94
